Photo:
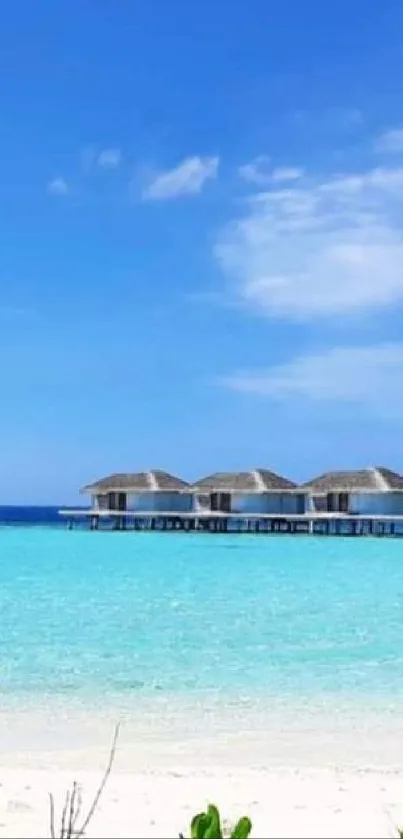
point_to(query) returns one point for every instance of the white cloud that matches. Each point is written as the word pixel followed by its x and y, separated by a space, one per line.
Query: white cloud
pixel 286 173
pixel 109 158
pixel 186 179
pixel 257 171
pixel 390 141
pixel 58 186
pixel 324 248
pixel 368 375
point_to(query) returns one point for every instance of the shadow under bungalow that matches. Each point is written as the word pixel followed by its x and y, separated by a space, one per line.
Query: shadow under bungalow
pixel 351 502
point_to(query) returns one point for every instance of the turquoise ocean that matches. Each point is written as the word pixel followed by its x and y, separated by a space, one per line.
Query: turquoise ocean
pixel 123 615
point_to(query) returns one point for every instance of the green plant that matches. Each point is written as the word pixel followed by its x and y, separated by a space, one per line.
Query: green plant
pixel 208 826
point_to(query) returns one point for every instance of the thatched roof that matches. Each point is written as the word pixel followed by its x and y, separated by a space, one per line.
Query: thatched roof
pixel 154 481
pixel 376 479
pixel 257 480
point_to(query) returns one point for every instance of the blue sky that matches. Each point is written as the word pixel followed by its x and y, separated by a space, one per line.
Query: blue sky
pixel 202 250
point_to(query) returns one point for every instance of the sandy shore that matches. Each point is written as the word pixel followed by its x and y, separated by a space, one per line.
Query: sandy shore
pixel 311 777
pixel 281 803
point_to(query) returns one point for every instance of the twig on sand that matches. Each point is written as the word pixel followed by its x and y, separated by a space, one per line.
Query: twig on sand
pixel 69 828
pixel 52 816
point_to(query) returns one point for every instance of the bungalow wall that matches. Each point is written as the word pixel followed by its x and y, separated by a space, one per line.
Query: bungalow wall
pixel 164 502
pixel 100 502
pixel 376 504
pixel 285 503
pixel 145 502
pixel 363 503
pixel 316 503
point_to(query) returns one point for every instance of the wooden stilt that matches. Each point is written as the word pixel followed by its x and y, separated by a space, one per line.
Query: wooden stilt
pixel 326 525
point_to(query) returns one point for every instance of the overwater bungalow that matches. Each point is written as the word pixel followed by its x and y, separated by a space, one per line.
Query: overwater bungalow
pixel 256 492
pixel 350 502
pixel 151 491
pixel 361 492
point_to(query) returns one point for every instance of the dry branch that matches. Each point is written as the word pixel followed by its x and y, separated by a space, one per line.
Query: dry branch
pixel 69 828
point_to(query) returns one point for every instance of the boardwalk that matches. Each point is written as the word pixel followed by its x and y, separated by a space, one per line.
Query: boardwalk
pixel 324 524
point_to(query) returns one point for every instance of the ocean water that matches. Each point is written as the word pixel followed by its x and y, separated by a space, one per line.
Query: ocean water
pixel 235 618
pixel 30 516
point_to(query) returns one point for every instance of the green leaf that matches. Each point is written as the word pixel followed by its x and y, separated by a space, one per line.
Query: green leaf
pixel 213 831
pixel 199 825
pixel 243 829
pixel 208 826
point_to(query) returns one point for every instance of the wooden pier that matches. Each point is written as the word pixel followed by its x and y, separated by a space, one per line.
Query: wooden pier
pixel 323 524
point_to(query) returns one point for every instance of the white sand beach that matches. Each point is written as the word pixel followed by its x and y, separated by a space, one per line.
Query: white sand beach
pixel 281 803
pixel 302 780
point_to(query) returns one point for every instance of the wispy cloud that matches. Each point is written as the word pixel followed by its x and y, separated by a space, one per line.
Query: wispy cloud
pixel 92 158
pixel 390 141
pixel 109 158
pixel 322 248
pixel 188 178
pixel 257 171
pixel 58 186
pixel 368 375
pixel 286 173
